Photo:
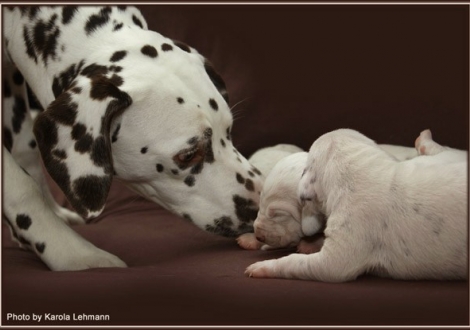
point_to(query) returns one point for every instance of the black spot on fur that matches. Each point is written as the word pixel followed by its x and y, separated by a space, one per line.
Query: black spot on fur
pixel 94 70
pixel 240 178
pixel 249 185
pixel 216 80
pixel 228 135
pixel 167 47
pixel 63 110
pixel 18 78
pixel 214 104
pixel 222 226
pixel 116 80
pixel 60 154
pixel 116 132
pixel 32 144
pixel 149 51
pixel 196 169
pixel 84 144
pixel 251 174
pixel 187 217
pixel 160 168
pixel 23 221
pixel 19 113
pixel 33 100
pixel 189 180
pixel 182 46
pixel 175 172
pixel 45 38
pixel 254 169
pixel 180 100
pixel 40 247
pixel 137 22
pixel 100 154
pixel 122 8
pixel 65 78
pixel 97 20
pixel 102 88
pixel 89 190
pixel 117 56
pixel 28 41
pixel 143 150
pixel 222 142
pixel 78 131
pixel 45 131
pixel 115 68
pixel 33 11
pixel 76 90
pixel 7 139
pixel 6 88
pixel 67 14
pixel 245 209
pixel 118 26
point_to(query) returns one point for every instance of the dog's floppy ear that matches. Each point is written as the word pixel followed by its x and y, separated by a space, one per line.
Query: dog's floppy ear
pixel 216 79
pixel 74 140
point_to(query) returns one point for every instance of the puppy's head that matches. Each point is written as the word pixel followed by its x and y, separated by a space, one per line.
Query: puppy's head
pixel 278 223
pixel 155 116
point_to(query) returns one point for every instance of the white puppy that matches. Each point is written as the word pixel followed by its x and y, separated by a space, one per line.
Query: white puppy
pixel 264 160
pixel 278 223
pixel 404 220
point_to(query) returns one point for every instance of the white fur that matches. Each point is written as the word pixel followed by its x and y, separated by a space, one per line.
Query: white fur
pixel 404 220
pixel 265 160
pixel 154 120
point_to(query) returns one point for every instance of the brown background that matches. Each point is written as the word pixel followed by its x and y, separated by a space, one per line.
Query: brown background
pixel 298 71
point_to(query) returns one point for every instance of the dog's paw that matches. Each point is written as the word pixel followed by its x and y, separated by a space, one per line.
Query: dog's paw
pixel 262 269
pixel 68 216
pixel 95 258
pixel 248 241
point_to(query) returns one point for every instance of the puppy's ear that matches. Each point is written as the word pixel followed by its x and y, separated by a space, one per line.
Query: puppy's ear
pixel 74 139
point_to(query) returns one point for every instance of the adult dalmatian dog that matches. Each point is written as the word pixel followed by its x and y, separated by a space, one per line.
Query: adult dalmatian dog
pixel 120 102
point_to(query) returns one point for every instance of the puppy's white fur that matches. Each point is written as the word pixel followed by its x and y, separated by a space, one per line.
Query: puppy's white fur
pixel 265 160
pixel 405 220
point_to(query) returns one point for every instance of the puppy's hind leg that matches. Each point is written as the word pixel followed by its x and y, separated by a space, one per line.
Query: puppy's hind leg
pixel 425 145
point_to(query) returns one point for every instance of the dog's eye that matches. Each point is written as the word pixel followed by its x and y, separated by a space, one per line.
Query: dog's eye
pixel 187 156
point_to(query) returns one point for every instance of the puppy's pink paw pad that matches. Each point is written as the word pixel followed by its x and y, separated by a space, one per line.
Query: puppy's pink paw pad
pixel 248 241
pixel 259 270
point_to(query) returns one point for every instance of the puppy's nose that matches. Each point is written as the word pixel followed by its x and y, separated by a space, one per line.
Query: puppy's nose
pixel 260 238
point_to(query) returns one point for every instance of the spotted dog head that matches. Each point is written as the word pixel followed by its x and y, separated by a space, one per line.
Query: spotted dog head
pixel 154 114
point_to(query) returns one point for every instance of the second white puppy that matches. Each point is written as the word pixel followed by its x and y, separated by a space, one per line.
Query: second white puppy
pixel 405 220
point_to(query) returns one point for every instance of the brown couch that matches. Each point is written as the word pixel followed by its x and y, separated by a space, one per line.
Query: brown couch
pixel 293 73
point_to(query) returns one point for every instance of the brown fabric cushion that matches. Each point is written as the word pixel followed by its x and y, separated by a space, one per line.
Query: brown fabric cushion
pixel 298 71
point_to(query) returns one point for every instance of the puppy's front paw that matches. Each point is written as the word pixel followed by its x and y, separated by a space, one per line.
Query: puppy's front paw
pixel 248 241
pixel 262 269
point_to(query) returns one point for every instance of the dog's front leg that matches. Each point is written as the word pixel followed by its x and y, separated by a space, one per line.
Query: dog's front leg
pixel 36 226
pixel 19 138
